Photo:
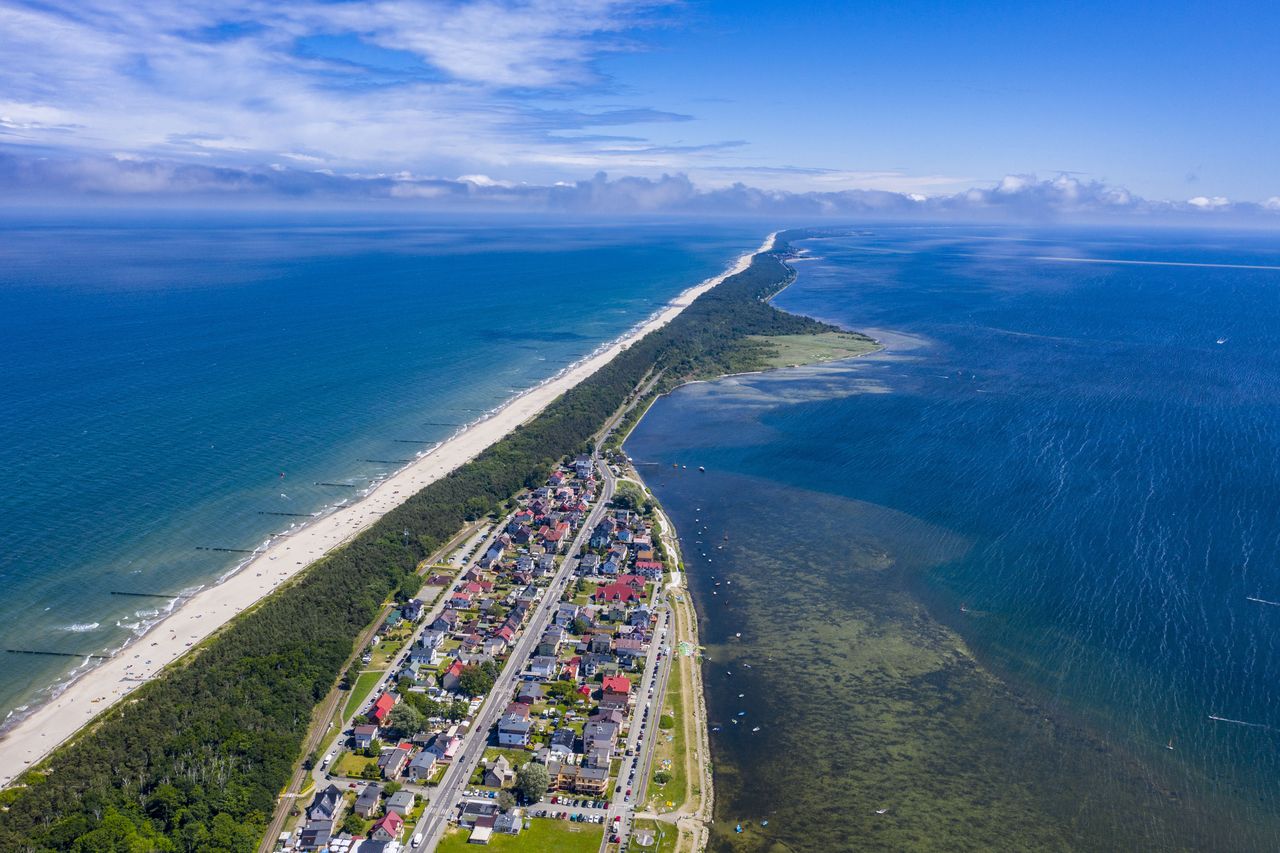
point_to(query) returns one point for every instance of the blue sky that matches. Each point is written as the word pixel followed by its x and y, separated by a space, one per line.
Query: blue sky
pixel 1166 102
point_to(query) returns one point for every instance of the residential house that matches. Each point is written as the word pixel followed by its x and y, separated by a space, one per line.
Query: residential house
pixel 445 746
pixel 362 737
pixel 446 621
pixel 599 756
pixel 500 773
pixel 452 678
pixel 530 692
pixel 609 715
pixel 426 650
pixel 367 803
pixel 596 735
pixel 613 701
pixel 510 823
pixel 543 666
pixel 629 650
pixel 562 743
pixel 651 569
pixel 589 564
pixel 421 766
pixel 383 706
pixel 388 829
pixel 570 672
pixel 640 617
pixel 619 592
pixel 474 810
pixel 594 663
pixel 566 613
pixel 392 762
pixel 401 802
pixel 324 805
pixel 577 780
pixel 315 835
pixel 514 730
pixel 619 684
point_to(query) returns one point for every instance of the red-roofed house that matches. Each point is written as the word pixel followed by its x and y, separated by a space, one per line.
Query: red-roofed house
pixel 616 592
pixel 452 676
pixel 383 706
pixel 388 829
pixel 631 580
pixel 619 684
pixel 554 534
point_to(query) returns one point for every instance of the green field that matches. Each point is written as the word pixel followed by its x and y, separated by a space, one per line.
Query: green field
pixel 352 765
pixel 359 692
pixel 792 350
pixel 677 789
pixel 664 835
pixel 542 836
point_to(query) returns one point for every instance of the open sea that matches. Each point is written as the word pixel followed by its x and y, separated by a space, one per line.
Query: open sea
pixel 173 383
pixel 1012 583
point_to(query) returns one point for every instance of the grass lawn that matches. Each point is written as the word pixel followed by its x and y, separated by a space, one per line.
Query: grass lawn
pixel 664 835
pixel 790 350
pixel 359 692
pixel 386 650
pixel 670 754
pixel 351 765
pixel 542 836
pixel 515 757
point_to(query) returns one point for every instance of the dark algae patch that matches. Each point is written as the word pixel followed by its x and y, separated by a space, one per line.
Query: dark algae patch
pixel 1005 584
pixel 878 730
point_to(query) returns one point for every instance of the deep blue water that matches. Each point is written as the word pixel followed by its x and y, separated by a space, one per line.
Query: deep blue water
pixel 1102 438
pixel 158 376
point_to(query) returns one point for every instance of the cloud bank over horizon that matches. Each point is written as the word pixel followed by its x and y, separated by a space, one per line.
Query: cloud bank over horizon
pixel 51 180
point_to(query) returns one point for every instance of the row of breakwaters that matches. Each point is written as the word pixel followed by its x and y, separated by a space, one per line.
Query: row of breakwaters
pixel 144 625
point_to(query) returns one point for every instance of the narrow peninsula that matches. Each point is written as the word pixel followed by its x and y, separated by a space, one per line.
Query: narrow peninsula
pixel 511 648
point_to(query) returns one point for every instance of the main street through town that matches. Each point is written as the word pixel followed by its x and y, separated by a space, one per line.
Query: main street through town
pixel 448 793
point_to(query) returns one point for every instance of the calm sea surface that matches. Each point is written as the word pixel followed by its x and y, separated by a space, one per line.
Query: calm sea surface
pixel 173 385
pixel 1011 583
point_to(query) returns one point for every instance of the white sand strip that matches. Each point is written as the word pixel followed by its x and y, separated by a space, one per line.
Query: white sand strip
pixel 198 617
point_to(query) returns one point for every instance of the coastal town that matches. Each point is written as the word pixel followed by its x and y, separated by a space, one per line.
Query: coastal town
pixel 518 699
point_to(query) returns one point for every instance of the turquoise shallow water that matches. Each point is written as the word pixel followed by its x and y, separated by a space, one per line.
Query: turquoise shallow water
pixel 159 376
pixel 1070 466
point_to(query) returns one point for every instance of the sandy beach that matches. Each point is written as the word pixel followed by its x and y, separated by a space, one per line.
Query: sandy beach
pixel 198 617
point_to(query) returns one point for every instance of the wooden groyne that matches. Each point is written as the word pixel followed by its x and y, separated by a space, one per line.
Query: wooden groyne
pixel 56 654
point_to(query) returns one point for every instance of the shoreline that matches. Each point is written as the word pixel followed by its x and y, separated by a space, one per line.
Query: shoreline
pixel 284 557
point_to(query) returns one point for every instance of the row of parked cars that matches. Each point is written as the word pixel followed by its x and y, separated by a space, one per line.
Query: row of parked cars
pixel 574 816
pixel 578 801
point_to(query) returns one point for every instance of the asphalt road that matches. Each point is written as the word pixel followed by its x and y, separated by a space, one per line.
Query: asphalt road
pixel 449 792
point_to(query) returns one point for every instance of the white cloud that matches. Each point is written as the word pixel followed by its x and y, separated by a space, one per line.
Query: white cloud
pixel 173 79
pixel 1204 203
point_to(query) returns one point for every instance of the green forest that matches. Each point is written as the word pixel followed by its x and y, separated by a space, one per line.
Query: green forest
pixel 195 759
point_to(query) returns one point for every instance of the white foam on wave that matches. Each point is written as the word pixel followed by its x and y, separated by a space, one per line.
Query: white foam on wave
pixel 81 627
